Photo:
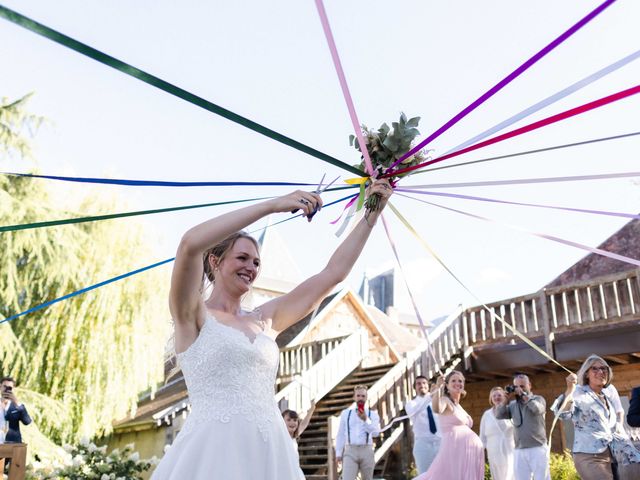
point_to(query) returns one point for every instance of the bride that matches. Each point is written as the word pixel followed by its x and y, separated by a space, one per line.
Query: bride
pixel 229 356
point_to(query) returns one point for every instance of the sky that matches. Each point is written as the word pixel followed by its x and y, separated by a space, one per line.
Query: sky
pixel 269 62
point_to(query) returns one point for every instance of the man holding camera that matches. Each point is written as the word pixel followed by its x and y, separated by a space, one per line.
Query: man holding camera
pixel 14 411
pixel 354 442
pixel 527 411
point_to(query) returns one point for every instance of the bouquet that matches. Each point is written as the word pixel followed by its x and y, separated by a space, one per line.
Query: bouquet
pixel 385 146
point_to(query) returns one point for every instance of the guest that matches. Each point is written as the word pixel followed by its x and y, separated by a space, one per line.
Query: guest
pixel 14 411
pixel 354 442
pixel 633 416
pixel 598 439
pixel 497 438
pixel 295 427
pixel 531 456
pixel 426 437
pixel 461 455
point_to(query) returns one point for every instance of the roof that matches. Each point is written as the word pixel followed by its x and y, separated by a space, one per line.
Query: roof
pixel 625 241
pixel 402 339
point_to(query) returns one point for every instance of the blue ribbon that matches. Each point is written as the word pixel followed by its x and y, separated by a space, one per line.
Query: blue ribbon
pixel 125 275
pixel 157 183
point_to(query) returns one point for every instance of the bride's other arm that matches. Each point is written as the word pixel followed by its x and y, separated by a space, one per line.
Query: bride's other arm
pixel 290 308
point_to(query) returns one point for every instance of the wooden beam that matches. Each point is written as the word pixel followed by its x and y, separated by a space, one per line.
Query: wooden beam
pixel 500 374
pixel 617 359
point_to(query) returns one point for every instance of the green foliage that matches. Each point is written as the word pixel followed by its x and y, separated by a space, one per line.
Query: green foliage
pixel 87 461
pixel 16 124
pixel 82 362
pixel 562 467
pixel 387 145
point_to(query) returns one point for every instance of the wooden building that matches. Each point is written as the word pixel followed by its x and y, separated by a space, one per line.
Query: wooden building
pixel 593 307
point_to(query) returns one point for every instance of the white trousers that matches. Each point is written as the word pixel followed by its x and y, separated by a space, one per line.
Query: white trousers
pixel 425 450
pixel 531 463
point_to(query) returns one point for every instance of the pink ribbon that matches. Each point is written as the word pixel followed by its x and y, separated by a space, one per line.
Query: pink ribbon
pixel 343 85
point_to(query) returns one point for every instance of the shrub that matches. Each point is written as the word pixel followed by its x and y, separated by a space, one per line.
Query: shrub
pixel 87 461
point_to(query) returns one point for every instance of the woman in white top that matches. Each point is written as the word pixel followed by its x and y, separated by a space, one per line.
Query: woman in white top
pixel 497 438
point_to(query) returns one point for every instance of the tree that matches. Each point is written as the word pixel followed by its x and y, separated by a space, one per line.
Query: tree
pixel 93 353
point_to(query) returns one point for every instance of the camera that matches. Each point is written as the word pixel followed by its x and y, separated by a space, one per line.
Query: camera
pixel 510 388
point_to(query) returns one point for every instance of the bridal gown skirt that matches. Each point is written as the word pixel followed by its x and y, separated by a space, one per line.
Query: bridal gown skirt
pixel 231 451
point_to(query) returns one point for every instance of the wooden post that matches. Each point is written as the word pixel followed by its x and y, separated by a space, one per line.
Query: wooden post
pixel 546 325
pixel 17 452
pixel 332 469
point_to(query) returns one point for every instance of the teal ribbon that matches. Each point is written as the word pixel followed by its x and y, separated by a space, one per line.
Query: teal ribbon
pixel 149 79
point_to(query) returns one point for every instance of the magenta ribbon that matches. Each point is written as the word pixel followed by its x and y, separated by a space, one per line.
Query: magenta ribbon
pixel 505 81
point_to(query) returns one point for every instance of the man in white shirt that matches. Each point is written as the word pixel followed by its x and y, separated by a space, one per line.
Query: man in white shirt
pixel 354 443
pixel 426 435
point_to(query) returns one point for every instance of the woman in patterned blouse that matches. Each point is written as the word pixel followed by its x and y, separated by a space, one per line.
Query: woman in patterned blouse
pixel 598 437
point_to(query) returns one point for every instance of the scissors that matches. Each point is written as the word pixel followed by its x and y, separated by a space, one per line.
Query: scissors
pixel 319 189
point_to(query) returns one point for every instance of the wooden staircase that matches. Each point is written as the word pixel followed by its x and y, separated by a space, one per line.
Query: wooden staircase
pixel 312 445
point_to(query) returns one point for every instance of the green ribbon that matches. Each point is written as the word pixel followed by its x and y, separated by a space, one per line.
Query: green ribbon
pixel 143 76
pixel 66 221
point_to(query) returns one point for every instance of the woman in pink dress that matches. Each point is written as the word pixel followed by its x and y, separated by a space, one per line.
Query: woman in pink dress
pixel 461 454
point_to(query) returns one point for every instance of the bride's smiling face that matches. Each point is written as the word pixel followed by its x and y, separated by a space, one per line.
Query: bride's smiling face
pixel 239 266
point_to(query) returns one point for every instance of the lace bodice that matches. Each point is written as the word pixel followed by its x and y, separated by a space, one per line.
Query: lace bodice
pixel 228 374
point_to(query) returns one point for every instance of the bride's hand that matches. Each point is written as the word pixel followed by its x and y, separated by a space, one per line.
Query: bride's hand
pixel 383 189
pixel 305 201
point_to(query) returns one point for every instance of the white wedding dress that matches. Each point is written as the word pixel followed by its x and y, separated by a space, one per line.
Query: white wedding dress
pixel 235 430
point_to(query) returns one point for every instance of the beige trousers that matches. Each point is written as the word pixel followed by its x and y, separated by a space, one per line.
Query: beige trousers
pixel 594 466
pixel 357 458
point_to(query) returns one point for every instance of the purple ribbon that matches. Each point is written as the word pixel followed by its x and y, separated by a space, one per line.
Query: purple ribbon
pixel 505 81
pixel 506 202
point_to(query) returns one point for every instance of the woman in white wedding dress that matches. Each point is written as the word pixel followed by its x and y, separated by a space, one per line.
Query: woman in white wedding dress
pixel 497 437
pixel 229 356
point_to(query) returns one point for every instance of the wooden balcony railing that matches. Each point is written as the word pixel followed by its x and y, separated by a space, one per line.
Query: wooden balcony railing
pixel 297 359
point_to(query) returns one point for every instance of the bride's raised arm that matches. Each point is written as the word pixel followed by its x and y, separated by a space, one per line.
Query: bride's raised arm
pixel 292 307
pixel 185 300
